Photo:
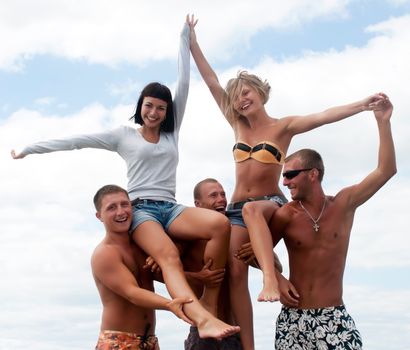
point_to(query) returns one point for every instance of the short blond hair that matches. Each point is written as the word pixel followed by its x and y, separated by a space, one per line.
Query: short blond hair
pixel 234 87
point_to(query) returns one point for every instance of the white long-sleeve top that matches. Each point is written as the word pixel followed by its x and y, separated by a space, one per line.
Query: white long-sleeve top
pixel 151 167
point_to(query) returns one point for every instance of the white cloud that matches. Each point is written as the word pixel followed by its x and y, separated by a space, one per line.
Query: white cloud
pixel 137 32
pixel 48 229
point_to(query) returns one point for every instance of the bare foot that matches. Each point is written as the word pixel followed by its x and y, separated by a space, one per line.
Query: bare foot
pixel 269 293
pixel 215 328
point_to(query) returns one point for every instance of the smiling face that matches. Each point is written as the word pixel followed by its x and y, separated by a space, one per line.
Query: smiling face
pixel 115 212
pixel 153 112
pixel 248 100
pixel 299 184
pixel 212 196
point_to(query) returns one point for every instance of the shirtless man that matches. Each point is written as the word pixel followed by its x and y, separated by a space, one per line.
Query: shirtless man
pixel 210 194
pixel 316 230
pixel 126 290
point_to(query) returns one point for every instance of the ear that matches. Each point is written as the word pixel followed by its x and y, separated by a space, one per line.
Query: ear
pixel 98 216
pixel 315 174
pixel 197 202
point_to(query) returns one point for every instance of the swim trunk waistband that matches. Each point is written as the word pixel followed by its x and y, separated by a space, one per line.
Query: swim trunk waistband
pixel 117 340
pixel 278 198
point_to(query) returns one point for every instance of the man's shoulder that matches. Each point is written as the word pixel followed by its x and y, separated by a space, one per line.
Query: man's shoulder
pixel 105 251
pixel 287 209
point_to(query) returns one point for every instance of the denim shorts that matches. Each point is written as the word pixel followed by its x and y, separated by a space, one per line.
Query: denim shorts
pixel 234 210
pixel 162 212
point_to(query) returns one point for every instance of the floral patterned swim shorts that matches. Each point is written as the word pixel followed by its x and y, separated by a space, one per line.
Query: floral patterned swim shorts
pixel 330 328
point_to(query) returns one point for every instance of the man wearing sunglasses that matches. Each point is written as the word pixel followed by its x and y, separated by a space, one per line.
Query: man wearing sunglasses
pixel 316 230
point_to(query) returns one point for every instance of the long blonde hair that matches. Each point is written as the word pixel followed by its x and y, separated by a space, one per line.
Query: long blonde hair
pixel 234 87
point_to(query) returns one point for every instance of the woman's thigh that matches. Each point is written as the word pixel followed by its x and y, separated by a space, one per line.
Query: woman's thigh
pixel 152 238
pixel 198 223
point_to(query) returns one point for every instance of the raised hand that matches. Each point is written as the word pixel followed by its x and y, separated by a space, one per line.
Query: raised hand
pixel 15 155
pixel 374 101
pixel 191 21
pixel 383 108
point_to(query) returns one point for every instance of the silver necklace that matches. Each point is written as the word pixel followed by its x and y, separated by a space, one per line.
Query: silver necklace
pixel 315 222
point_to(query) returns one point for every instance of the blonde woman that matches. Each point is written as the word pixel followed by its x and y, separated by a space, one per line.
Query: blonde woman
pixel 261 143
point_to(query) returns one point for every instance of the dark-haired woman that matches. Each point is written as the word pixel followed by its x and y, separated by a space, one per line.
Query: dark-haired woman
pixel 151 155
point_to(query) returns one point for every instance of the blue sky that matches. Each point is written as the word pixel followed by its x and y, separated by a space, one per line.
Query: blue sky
pixel 70 67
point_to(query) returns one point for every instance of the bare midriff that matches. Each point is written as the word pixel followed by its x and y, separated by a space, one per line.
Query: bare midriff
pixel 255 179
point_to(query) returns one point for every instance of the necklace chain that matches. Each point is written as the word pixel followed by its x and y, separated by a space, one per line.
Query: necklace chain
pixel 315 222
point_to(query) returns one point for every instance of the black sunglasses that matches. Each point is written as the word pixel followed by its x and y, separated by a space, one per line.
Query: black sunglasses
pixel 293 173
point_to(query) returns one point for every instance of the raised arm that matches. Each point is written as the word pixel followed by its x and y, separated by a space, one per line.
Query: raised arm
pixel 298 125
pixel 182 88
pixel 386 167
pixel 110 271
pixel 204 68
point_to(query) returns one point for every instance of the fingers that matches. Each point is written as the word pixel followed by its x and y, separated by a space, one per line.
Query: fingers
pixel 14 155
pixel 293 291
pixel 246 246
pixel 289 299
pixel 381 104
pixel 245 252
pixel 191 21
pixel 207 265
pixel 292 296
pixel 215 277
pixel 152 265
pixel 179 312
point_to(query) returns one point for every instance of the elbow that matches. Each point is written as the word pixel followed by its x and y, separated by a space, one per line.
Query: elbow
pixel 393 171
pixel 389 172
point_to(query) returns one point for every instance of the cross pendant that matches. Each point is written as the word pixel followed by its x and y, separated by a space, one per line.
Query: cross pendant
pixel 316 227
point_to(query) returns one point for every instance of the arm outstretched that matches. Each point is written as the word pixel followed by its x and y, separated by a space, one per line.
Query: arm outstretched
pixel 298 125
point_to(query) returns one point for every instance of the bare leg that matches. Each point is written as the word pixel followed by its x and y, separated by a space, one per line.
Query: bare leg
pixel 256 216
pixel 192 258
pixel 151 237
pixel 197 223
pixel 238 286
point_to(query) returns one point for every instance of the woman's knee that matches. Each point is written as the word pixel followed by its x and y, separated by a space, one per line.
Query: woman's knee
pixel 250 209
pixel 167 254
pixel 220 226
pixel 169 258
pixel 259 209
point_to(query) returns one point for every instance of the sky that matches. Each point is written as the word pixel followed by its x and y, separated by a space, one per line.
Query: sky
pixel 70 66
